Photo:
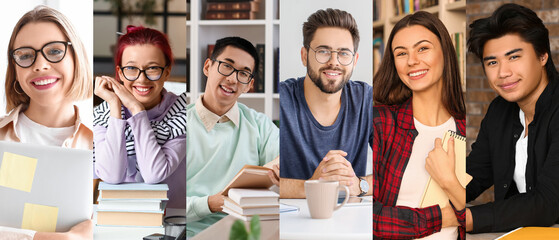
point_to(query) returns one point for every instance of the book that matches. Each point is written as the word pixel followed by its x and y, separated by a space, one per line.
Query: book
pixel 251 209
pixel 263 217
pixel 433 193
pixel 124 218
pixel 250 176
pixel 253 197
pixel 133 191
pixel 131 204
pixel 218 15
pixel 260 76
pixel 232 6
pixel 531 233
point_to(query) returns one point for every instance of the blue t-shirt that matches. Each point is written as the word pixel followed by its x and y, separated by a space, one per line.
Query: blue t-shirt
pixel 304 142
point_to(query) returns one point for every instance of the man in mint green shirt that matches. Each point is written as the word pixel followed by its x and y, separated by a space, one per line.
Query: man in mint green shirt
pixel 222 134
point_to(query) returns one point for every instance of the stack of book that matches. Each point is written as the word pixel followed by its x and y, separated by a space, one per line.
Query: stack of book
pixel 244 203
pixel 131 204
pixel 231 9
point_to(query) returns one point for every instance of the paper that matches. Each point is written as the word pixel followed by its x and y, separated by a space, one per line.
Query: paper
pixel 17 171
pixel 39 217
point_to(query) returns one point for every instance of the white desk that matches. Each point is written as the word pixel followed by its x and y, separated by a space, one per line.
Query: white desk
pixel 129 233
pixel 349 222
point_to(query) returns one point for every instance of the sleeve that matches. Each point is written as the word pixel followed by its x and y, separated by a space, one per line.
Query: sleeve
pixel 269 146
pixel 461 217
pixel 156 162
pixel 478 163
pixel 7 233
pixel 110 151
pixel 398 222
pixel 539 207
pixel 197 208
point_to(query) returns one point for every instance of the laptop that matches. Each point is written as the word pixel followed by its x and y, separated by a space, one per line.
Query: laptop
pixel 44 188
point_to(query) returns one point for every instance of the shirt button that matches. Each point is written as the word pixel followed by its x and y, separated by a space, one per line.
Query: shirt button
pixel 505 185
pixel 530 188
pixel 515 135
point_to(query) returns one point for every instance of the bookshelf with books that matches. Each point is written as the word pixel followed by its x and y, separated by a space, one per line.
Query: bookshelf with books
pixel 262 30
pixel 451 12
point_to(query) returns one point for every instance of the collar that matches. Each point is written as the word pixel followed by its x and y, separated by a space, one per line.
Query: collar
pixel 544 101
pixel 210 119
pixel 405 112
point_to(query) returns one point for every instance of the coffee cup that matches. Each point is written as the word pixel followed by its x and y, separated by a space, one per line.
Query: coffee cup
pixel 322 197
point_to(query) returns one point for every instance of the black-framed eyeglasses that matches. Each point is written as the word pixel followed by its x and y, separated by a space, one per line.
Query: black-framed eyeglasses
pixel 323 55
pixel 226 69
pixel 152 73
pixel 53 52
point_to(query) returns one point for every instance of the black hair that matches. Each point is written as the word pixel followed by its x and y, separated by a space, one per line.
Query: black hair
pixel 239 43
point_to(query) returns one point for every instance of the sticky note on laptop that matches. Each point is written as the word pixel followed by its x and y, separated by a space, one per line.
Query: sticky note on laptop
pixel 17 171
pixel 39 217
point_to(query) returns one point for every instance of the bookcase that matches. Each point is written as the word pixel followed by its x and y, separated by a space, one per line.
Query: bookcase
pixel 264 29
pixel 452 13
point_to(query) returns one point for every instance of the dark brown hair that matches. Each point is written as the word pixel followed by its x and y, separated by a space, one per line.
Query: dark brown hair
pixel 330 18
pixel 390 90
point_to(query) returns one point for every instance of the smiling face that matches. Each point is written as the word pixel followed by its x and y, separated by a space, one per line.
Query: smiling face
pixel 418 58
pixel 329 77
pixel 44 82
pixel 143 57
pixel 223 91
pixel 513 69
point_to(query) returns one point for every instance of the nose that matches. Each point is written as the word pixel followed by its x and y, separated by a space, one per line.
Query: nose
pixel 333 61
pixel 41 63
pixel 232 78
pixel 504 70
pixel 412 59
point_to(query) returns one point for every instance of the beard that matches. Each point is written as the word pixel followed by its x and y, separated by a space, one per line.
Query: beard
pixel 328 85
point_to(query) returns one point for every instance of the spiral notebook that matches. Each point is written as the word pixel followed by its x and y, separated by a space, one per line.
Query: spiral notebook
pixel 434 194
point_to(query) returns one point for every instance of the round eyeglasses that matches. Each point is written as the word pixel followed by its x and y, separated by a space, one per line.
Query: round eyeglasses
pixel 53 52
pixel 152 73
pixel 226 69
pixel 323 55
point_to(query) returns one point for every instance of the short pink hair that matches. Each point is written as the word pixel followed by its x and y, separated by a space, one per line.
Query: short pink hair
pixel 139 36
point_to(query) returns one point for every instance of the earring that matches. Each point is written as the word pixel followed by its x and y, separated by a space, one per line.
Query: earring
pixel 15 88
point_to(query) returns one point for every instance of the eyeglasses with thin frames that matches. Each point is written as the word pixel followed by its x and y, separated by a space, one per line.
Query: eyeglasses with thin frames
pixel 226 69
pixel 53 52
pixel 323 55
pixel 152 73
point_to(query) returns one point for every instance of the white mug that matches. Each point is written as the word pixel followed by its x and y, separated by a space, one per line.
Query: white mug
pixel 322 197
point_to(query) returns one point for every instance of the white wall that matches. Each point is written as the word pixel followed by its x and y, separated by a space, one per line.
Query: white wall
pixel 80 14
pixel 293 13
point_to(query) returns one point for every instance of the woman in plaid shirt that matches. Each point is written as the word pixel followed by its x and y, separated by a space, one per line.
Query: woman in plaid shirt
pixel 418 97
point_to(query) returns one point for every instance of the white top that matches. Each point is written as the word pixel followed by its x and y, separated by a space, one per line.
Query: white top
pixel 29 131
pixel 416 176
pixel 521 156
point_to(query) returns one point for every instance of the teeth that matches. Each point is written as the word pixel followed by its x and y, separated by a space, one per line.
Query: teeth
pixel 142 89
pixel 44 82
pixel 415 74
pixel 332 74
pixel 227 90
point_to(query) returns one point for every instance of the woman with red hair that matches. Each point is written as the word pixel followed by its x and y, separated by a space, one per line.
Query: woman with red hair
pixel 139 131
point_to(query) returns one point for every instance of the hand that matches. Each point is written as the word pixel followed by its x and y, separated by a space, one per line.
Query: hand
pixel 215 202
pixel 274 174
pixel 334 167
pixel 440 164
pixel 104 90
pixel 126 97
pixel 83 230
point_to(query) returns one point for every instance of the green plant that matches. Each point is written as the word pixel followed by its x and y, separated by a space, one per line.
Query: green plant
pixel 127 8
pixel 239 231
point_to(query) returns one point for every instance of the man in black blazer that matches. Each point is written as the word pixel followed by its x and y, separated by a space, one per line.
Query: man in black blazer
pixel 517 148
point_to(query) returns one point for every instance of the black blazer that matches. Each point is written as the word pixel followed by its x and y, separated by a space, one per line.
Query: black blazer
pixel 492 162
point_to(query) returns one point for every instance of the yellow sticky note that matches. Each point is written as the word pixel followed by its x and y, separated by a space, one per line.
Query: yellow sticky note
pixel 39 217
pixel 17 171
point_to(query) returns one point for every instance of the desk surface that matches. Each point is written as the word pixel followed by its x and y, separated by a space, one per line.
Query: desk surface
pixel 349 222
pixel 221 229
pixel 491 236
pixel 129 233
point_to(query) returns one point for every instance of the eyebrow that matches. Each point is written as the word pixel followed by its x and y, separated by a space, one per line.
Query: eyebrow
pixel 233 62
pixel 330 48
pixel 149 63
pixel 415 45
pixel 506 54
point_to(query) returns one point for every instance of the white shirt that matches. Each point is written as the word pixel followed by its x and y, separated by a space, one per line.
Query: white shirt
pixel 29 131
pixel 521 156
pixel 416 176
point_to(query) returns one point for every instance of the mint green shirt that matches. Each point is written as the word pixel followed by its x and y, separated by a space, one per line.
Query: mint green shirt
pixel 214 157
